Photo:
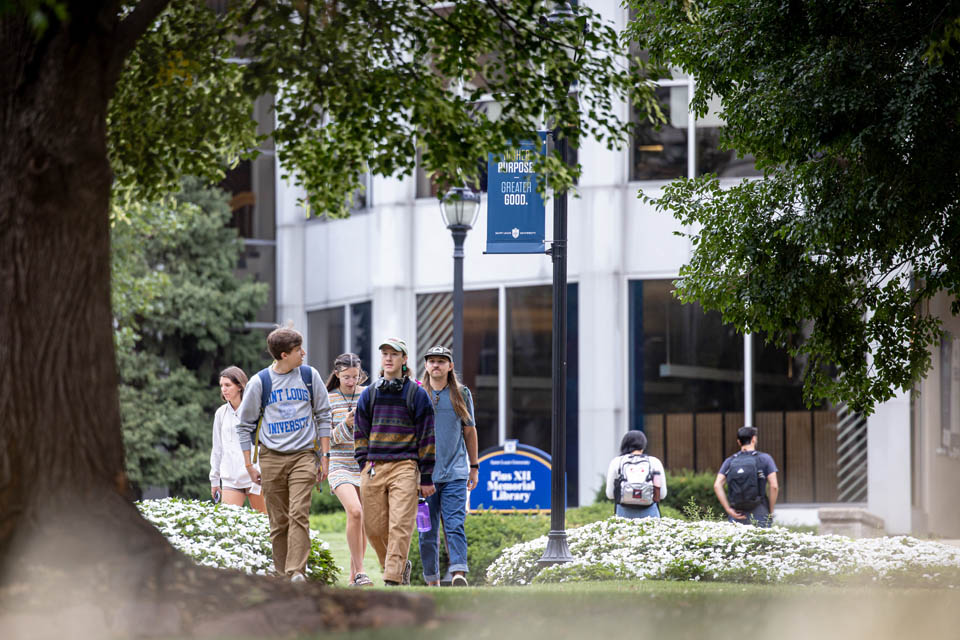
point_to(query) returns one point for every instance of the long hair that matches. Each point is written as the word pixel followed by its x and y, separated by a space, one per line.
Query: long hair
pixel 456 396
pixel 237 377
pixel 633 440
pixel 343 362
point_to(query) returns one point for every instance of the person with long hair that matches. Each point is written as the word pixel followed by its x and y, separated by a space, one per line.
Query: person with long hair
pixel 228 474
pixel 455 470
pixel 344 388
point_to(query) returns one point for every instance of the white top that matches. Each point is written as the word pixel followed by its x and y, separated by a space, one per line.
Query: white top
pixel 226 457
pixel 613 471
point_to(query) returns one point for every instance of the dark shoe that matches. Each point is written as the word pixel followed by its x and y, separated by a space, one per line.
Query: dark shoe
pixel 390 583
pixel 407 570
pixel 459 580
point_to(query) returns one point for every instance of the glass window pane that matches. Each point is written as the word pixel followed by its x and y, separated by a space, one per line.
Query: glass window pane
pixel 686 392
pixel 325 338
pixel 529 372
pixel 361 334
pixel 726 163
pixel 479 367
pixel 661 153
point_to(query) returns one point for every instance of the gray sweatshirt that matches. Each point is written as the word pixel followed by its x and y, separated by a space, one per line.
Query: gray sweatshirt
pixel 289 422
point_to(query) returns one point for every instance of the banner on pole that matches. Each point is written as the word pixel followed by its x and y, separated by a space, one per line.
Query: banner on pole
pixel 515 210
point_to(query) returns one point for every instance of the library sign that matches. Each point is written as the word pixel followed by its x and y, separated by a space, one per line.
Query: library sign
pixel 513 477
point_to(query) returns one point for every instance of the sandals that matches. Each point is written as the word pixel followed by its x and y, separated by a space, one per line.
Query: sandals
pixel 362 580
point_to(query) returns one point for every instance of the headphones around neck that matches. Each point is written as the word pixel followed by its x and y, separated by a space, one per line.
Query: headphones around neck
pixel 394 385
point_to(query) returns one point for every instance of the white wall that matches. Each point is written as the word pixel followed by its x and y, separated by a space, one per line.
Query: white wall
pixel 889 466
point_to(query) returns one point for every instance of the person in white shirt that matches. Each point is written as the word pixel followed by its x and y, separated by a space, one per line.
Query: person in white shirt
pixel 228 473
pixel 632 456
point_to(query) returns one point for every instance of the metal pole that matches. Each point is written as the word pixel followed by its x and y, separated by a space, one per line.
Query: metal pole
pixel 459 236
pixel 748 379
pixel 557 550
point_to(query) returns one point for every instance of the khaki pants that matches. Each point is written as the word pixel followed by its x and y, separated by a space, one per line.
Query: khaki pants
pixel 390 511
pixel 287 482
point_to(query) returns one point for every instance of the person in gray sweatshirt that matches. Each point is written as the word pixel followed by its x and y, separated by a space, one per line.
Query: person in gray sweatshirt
pixel 293 444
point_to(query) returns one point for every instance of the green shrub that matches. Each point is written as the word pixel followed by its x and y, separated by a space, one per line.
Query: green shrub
pixel 329 522
pixel 685 485
pixel 488 534
pixel 229 537
pixel 324 500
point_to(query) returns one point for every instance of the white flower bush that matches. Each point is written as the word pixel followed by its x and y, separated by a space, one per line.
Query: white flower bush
pixel 229 537
pixel 667 549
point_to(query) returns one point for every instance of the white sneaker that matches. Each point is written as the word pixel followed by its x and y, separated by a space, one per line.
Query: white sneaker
pixel 298 577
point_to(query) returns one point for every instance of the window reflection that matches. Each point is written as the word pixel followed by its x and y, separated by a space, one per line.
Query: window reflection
pixel 660 153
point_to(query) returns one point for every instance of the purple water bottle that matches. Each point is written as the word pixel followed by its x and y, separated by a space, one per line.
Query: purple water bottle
pixel 423 516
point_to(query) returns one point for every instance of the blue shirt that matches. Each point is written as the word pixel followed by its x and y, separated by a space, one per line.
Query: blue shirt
pixel 452 462
pixel 765 466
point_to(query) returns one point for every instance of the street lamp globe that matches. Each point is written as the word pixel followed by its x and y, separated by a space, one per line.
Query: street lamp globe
pixel 459 207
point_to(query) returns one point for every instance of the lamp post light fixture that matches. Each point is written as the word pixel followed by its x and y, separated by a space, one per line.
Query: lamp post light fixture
pixel 558 551
pixel 459 208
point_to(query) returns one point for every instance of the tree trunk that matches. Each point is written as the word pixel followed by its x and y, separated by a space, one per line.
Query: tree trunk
pixel 58 383
pixel 64 498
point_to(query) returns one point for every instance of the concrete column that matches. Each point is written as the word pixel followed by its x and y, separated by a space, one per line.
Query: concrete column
pixel 291 246
pixel 889 467
pixel 392 251
pixel 597 225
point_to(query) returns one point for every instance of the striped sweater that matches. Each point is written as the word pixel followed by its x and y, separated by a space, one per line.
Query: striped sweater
pixel 391 433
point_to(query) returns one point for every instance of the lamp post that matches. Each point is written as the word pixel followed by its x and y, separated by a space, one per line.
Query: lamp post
pixel 459 208
pixel 558 550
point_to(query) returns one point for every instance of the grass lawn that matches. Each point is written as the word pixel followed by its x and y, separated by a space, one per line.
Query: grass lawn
pixel 669 610
pixel 681 610
pixel 331 528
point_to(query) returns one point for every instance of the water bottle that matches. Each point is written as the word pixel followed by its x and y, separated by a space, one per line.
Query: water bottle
pixel 423 516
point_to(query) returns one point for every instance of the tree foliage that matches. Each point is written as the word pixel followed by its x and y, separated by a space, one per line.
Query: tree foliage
pixel 856 224
pixel 179 313
pixel 362 86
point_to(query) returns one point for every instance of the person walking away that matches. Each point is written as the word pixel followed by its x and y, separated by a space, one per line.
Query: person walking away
pixel 636 482
pixel 290 404
pixel 394 446
pixel 748 474
pixel 455 471
pixel 228 473
pixel 344 388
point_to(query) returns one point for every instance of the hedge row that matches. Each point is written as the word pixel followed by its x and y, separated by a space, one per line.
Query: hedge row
pixel 488 534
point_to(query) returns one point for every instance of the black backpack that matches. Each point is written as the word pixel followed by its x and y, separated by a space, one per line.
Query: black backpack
pixel 743 482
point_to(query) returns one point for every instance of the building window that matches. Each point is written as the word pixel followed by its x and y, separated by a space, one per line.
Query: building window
pixel 686 392
pixel 479 367
pixel 328 336
pixel 325 337
pixel 529 377
pixel 660 152
pixel 252 187
pixel 361 335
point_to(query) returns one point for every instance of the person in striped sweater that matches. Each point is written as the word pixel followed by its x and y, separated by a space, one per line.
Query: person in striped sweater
pixel 344 387
pixel 394 447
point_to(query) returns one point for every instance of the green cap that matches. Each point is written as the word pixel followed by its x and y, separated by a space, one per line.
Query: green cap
pixel 395 343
